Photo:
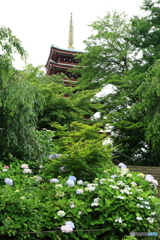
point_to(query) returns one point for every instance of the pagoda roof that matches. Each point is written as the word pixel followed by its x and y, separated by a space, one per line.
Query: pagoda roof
pixel 68 49
pixel 61 64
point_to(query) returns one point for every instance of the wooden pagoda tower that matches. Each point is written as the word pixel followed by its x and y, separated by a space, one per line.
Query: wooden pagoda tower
pixel 61 60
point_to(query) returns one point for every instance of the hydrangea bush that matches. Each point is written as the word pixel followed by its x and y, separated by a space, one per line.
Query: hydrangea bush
pixel 116 202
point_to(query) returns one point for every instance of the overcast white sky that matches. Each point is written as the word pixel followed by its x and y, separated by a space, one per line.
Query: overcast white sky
pixel 39 24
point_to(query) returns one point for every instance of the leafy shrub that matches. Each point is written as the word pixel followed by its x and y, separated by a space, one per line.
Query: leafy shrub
pixel 82 149
pixel 116 202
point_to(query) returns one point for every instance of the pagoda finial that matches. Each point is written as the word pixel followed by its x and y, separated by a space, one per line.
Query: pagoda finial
pixel 70 37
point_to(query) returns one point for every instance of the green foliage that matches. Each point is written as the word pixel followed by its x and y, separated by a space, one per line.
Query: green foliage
pixel 82 150
pixel 145 35
pixel 32 205
pixel 113 59
pixel 10 44
pixel 149 92
pixel 58 108
pixel 20 106
pixel 108 50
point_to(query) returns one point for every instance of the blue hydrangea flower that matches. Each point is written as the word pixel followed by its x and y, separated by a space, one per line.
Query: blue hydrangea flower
pixel 72 178
pixel 8 181
pixel 70 223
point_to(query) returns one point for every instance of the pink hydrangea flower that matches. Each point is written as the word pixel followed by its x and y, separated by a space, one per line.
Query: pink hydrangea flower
pixel 66 229
pixel 6 167
pixel 24 166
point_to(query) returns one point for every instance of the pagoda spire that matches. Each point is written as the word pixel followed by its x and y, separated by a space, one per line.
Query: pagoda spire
pixel 70 36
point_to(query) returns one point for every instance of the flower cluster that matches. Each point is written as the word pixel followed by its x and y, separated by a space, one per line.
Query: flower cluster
pixel 151 179
pixel 118 220
pixel 68 227
pixel 8 181
pixel 71 181
pixel 79 191
pixel 95 202
pixel 27 170
pixel 54 180
pixel 61 213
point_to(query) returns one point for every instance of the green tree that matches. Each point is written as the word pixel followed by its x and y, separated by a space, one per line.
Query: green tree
pixel 149 92
pixel 57 107
pixel 145 35
pixel 108 50
pixel 20 104
pixel 104 65
pixel 82 150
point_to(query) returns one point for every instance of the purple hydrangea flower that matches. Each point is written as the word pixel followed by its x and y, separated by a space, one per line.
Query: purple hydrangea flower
pixel 70 183
pixel 54 180
pixel 8 181
pixel 113 176
pixel 122 165
pixel 63 169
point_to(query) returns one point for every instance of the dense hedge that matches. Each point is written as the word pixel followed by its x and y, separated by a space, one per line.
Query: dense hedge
pixel 117 201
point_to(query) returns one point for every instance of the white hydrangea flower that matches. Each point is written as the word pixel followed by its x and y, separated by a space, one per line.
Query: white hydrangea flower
pixel 118 220
pixel 148 207
pixel 4 170
pixel 90 189
pixel 80 182
pixel 27 170
pixel 72 205
pixel 120 197
pixel 61 213
pixel 101 181
pixel 113 186
pixel 129 175
pixel 139 198
pixel 92 185
pixel 79 191
pixel 96 200
pixel 153 213
pixel 151 197
pixel 121 183
pixel 139 190
pixel 139 205
pixel 151 220
pixel 94 204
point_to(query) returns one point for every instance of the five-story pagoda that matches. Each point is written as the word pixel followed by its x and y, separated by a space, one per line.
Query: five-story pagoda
pixel 61 60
